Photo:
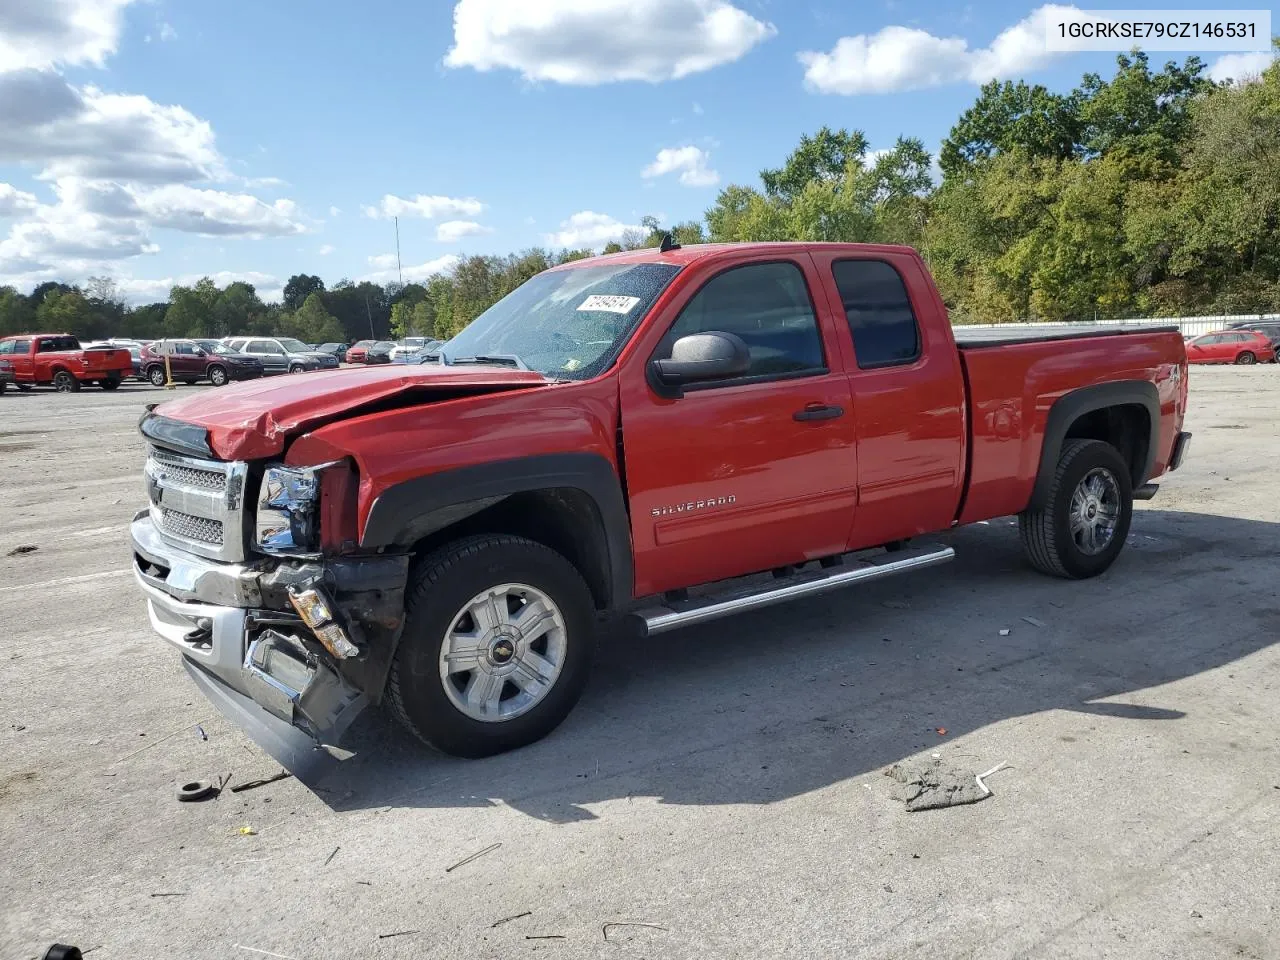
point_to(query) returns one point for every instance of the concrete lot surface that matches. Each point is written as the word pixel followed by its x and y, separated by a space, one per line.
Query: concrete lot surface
pixel 719 788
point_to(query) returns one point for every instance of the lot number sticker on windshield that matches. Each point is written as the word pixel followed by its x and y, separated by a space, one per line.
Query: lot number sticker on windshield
pixel 609 304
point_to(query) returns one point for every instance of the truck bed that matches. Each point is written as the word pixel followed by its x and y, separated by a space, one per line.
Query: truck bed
pixel 968 338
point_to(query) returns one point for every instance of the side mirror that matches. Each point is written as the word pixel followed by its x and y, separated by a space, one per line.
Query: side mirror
pixel 703 356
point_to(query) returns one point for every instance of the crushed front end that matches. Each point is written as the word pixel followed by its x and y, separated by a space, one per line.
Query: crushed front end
pixel 250 570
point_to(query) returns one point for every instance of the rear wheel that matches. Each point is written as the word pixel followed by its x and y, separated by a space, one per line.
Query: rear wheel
pixel 297 368
pixel 218 375
pixel 1245 359
pixel 110 383
pixel 64 382
pixel 156 375
pixel 1085 521
pixel 497 645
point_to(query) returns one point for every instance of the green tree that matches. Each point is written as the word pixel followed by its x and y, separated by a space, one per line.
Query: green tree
pixel 17 315
pixel 64 312
pixel 824 156
pixel 190 311
pixel 312 323
pixel 299 287
pixel 235 307
pixel 1012 116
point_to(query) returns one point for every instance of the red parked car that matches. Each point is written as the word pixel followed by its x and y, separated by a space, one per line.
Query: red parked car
pixel 359 352
pixel 192 360
pixel 1231 346
pixel 447 538
pixel 58 360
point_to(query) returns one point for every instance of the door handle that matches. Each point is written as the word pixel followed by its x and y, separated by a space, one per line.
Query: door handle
pixel 818 411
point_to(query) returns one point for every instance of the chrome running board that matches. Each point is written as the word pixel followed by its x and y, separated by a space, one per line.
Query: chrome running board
pixel 684 613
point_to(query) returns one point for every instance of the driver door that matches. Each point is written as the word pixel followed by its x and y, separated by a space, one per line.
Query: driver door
pixel 745 474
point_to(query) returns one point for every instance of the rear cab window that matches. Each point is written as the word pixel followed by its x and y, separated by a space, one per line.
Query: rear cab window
pixel 876 306
pixel 6 347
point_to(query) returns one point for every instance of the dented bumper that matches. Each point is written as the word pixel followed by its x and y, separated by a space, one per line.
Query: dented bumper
pixel 242 638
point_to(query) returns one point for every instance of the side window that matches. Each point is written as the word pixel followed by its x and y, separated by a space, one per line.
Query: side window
pixel 22 346
pixel 768 306
pixel 184 349
pixel 875 301
pixel 6 347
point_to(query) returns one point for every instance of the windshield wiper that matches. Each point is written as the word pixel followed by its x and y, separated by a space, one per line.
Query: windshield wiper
pixel 499 359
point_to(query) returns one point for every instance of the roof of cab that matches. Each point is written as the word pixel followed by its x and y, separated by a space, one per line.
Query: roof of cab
pixel 683 256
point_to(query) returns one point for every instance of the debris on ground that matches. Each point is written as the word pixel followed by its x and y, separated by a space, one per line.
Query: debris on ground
pixel 247 831
pixel 329 859
pixel 254 784
pixel 1034 622
pixel 1005 632
pixel 196 790
pixel 613 925
pixel 475 856
pixel 941 731
pixel 264 953
pixel 200 730
pixel 895 604
pixel 398 933
pixel 22 549
pixel 518 916
pixel 932 784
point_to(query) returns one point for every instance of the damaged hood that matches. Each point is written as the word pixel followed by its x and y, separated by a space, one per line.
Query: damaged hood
pixel 252 420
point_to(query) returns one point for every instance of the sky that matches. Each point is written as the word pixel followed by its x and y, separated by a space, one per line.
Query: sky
pixel 158 141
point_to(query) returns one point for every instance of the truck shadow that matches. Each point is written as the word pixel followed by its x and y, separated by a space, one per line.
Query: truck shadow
pixel 797 698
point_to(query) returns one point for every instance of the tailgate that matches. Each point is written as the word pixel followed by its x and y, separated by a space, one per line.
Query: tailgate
pixel 101 361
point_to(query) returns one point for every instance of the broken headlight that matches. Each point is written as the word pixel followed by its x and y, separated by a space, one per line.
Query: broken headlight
pixel 287 521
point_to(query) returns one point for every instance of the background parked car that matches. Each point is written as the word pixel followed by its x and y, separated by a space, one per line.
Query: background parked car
pixel 1270 328
pixel 358 352
pixel 282 354
pixel 1231 346
pixel 192 360
pixel 339 350
pixel 406 350
pixel 59 360
pixel 380 352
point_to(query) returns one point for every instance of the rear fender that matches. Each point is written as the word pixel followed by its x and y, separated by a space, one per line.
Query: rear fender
pixel 1070 407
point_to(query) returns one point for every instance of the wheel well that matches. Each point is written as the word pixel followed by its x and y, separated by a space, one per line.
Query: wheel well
pixel 1127 427
pixel 565 519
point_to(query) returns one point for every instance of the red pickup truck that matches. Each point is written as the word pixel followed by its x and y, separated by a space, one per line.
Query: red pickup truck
pixel 57 359
pixel 654 438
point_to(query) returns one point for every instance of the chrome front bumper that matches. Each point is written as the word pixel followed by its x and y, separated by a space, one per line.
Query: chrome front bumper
pixel 259 672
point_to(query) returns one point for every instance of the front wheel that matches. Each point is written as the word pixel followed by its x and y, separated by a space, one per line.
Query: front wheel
pixel 218 375
pixel 297 368
pixel 497 644
pixel 1245 359
pixel 64 382
pixel 156 376
pixel 1083 526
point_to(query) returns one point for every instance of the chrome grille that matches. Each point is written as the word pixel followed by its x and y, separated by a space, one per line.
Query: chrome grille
pixel 191 528
pixel 198 505
pixel 194 477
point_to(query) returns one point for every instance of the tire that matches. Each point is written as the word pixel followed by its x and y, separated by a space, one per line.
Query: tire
pixel 297 368
pixel 1048 540
pixel 156 376
pixel 445 584
pixel 64 382
pixel 218 375
pixel 1245 359
pixel 4 385
pixel 23 387
pixel 109 384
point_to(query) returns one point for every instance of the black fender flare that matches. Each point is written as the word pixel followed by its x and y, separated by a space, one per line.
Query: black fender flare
pixel 409 510
pixel 1070 407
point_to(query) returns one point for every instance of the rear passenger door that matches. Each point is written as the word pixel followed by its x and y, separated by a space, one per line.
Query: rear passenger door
pixel 908 394
pixel 270 353
pixel 744 474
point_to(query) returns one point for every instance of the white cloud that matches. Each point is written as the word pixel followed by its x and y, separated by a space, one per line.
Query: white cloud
pixel 427 207
pixel 602 41
pixel 905 58
pixel 138 290
pixel 382 261
pixel 82 131
pixel 41 33
pixel 326 249
pixel 167 33
pixel 452 231
pixel 418 273
pixel 589 229
pixel 14 201
pixel 692 163
pixel 1240 67
pixel 217 213
pixel 268 182
pixel 335 212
